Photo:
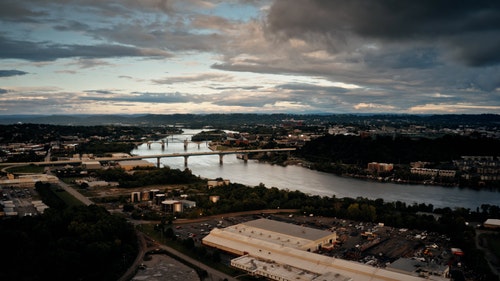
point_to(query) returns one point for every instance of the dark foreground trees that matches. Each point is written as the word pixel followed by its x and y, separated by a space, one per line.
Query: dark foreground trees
pixel 78 243
pixel 361 151
pixel 148 176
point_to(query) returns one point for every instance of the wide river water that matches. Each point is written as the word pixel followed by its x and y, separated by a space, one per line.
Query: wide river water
pixel 312 182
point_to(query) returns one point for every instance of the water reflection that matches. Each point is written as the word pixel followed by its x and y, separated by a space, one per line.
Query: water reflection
pixel 312 182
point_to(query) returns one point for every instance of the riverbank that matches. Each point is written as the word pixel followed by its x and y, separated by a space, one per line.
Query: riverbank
pixel 300 176
pixel 371 178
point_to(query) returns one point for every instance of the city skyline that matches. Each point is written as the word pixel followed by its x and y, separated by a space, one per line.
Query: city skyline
pixel 249 56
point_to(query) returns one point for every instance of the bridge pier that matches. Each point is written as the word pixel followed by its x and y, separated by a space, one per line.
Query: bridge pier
pixel 162 145
pixel 186 161
pixel 149 144
pixel 157 162
pixel 185 144
pixel 245 157
pixel 221 157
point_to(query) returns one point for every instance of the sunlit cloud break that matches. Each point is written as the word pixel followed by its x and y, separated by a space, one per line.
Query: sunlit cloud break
pixel 267 56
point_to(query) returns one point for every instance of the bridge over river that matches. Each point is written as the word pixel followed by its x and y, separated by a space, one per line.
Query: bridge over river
pixel 186 155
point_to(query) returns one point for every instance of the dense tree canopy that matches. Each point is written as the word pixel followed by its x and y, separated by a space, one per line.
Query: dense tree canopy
pixel 148 176
pixel 78 243
pixel 399 150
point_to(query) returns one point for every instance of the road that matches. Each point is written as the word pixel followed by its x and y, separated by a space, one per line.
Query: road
pixel 489 256
pixel 71 190
pixel 144 240
pixel 130 273
pixel 213 274
pixel 75 193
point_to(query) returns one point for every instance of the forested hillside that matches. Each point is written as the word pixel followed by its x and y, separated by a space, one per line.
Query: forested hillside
pixel 400 150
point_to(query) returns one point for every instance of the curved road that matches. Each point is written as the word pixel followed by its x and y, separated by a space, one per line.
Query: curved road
pixel 491 259
pixel 213 274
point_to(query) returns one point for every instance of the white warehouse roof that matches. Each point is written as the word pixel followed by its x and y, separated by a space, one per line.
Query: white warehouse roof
pixel 492 223
pixel 288 229
pixel 275 249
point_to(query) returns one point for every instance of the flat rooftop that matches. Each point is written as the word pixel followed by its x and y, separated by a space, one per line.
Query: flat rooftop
pixel 283 272
pixel 239 239
pixel 280 233
pixel 289 229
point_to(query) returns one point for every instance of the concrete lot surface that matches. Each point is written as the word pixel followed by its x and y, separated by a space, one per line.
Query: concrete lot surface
pixel 163 267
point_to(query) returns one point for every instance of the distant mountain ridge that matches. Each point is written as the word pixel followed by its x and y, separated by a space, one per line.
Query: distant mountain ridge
pixel 240 119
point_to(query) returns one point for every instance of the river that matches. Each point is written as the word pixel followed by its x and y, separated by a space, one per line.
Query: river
pixel 312 182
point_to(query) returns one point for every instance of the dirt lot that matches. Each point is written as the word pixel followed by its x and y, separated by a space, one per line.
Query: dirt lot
pixel 163 267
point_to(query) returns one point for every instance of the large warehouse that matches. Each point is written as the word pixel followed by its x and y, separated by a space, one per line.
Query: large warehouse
pixel 282 251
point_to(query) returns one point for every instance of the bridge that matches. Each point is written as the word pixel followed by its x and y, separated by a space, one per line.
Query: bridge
pixel 164 142
pixel 186 155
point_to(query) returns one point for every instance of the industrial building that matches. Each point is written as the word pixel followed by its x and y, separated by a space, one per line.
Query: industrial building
pixel 217 182
pixel 91 165
pixel 405 265
pixel 171 206
pixel 158 198
pixel 283 251
pixel 380 167
pixel 492 223
pixel 25 181
pixel 129 165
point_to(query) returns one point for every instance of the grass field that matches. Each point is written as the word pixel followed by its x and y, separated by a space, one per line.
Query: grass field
pixel 68 199
pixel 28 169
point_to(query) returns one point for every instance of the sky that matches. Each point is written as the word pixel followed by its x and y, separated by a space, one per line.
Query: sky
pixel 249 56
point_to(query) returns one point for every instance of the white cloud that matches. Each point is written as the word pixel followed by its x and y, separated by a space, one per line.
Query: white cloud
pixel 243 55
pixel 371 107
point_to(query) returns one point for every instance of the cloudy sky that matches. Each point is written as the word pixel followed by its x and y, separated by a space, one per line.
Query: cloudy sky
pixel 261 56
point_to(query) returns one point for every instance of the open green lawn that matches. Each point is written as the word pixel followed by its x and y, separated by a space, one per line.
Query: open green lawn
pixel 69 199
pixel 28 169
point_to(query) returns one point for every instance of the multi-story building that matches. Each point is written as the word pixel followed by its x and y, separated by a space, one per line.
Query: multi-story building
pixel 380 167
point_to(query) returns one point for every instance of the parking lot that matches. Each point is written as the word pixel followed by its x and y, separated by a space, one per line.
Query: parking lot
pixel 18 201
pixel 369 243
pixel 200 229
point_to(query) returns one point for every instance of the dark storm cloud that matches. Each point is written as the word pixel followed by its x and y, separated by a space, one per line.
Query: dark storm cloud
pixel 419 58
pixel 154 37
pixel 247 88
pixel 469 30
pixel 41 51
pixel 264 67
pixel 17 12
pixel 73 25
pixel 304 94
pixel 9 73
pixel 105 95
pixel 310 88
pixel 103 92
pixel 245 101
pixel 193 78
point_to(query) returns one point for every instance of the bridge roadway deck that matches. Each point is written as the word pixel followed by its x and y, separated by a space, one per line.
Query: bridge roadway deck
pixel 158 156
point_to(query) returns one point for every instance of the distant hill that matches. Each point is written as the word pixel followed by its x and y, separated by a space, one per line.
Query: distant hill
pixel 241 119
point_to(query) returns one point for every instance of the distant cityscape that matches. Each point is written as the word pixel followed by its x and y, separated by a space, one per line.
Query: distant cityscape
pixel 474 170
pixel 265 232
